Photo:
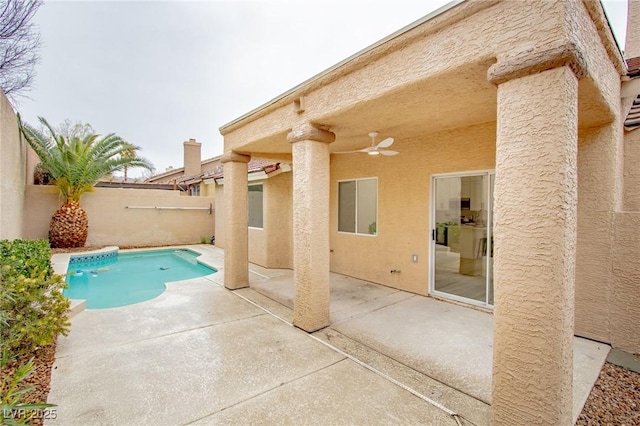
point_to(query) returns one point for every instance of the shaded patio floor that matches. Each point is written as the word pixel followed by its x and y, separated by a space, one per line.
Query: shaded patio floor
pixel 201 354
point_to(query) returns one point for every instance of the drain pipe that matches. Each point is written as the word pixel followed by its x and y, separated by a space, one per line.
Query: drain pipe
pixel 412 391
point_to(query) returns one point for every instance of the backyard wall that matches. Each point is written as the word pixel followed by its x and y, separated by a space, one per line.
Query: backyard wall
pixel 13 154
pixel 111 223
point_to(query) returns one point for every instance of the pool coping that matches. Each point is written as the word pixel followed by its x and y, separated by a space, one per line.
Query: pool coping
pixel 60 263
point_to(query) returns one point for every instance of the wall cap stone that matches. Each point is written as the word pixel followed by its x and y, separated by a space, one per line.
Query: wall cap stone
pixel 309 132
pixel 234 157
pixel 532 61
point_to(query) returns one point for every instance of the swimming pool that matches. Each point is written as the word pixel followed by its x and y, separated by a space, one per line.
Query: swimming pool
pixel 109 280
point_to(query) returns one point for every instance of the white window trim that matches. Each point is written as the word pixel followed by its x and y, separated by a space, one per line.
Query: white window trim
pixel 432 223
pixel 377 207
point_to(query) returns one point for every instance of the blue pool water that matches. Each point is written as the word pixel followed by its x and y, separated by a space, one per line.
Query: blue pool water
pixel 111 281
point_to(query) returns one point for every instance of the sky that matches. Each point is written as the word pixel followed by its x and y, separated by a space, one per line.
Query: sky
pixel 158 73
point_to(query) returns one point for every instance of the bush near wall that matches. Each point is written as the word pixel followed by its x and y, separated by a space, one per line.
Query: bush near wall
pixel 33 311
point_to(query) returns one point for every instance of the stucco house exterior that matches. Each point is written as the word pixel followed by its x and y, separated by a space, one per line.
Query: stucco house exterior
pixel 514 189
pixel 188 178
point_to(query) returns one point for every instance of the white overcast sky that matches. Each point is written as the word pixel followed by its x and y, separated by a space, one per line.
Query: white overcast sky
pixel 159 73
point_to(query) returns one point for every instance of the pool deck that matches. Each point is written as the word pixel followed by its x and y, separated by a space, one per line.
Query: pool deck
pixel 201 354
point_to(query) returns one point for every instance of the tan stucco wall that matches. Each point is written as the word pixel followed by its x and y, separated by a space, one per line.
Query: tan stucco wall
pixel 271 247
pixel 421 84
pixel 624 296
pixel 625 293
pixel 192 157
pixel 600 193
pixel 279 221
pixel 403 203
pixel 472 32
pixel 13 156
pixel 632 171
pixel 208 190
pixel 535 225
pixel 632 43
pixel 111 223
pixel 220 229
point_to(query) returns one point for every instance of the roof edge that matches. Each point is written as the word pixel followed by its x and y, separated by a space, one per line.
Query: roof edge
pixel 603 26
pixel 350 61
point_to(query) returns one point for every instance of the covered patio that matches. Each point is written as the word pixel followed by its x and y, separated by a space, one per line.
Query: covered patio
pixel 199 354
pixel 525 96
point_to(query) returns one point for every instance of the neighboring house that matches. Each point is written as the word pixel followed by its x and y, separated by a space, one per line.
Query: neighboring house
pixel 198 177
pixel 206 178
pixel 514 190
pixel 189 177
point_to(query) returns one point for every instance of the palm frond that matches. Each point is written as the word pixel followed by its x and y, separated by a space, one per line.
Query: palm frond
pixel 76 163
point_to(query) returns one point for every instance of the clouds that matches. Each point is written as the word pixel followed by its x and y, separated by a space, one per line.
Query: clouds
pixel 159 73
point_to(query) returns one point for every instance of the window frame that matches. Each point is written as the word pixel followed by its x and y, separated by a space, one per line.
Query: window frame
pixel 356 180
pixel 248 224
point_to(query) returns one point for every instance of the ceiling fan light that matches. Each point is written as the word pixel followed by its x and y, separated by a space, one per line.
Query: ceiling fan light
pixel 373 153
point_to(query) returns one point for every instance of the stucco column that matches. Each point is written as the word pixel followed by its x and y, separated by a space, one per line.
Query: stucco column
pixel 311 226
pixel 535 236
pixel 236 248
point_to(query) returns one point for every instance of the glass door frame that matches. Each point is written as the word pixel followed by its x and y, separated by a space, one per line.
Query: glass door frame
pixel 490 176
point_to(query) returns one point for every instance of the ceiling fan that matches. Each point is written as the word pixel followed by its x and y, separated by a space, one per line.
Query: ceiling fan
pixel 375 149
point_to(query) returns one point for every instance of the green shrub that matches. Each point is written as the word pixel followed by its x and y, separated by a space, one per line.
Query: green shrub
pixel 33 311
pixel 14 410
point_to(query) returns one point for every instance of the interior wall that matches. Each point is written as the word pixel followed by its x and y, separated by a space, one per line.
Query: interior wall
pixel 112 223
pixel 13 162
pixel 403 227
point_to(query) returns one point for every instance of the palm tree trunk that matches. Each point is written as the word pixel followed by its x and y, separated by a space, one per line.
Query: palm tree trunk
pixel 69 226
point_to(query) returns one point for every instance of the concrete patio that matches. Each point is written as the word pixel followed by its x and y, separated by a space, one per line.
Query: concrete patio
pixel 201 354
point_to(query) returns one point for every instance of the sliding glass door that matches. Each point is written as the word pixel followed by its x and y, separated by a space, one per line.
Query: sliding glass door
pixel 461 246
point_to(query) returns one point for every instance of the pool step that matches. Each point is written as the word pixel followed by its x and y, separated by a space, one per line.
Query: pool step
pixel 185 255
pixel 76 306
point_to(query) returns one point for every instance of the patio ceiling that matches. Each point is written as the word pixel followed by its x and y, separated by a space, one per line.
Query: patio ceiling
pixel 459 98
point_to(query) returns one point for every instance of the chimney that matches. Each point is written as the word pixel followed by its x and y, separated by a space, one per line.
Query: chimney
pixel 632 44
pixel 192 161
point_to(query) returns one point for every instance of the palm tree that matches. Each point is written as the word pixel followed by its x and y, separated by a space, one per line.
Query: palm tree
pixel 75 164
pixel 128 152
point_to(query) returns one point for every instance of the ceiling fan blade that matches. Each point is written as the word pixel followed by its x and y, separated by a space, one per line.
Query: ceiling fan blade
pixel 386 143
pixel 388 152
pixel 367 149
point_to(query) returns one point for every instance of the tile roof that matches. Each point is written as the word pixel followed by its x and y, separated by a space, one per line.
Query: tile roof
pixel 633 118
pixel 633 66
pixel 252 166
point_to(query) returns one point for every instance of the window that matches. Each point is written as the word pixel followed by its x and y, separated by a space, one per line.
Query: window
pixel 195 190
pixel 358 206
pixel 255 206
